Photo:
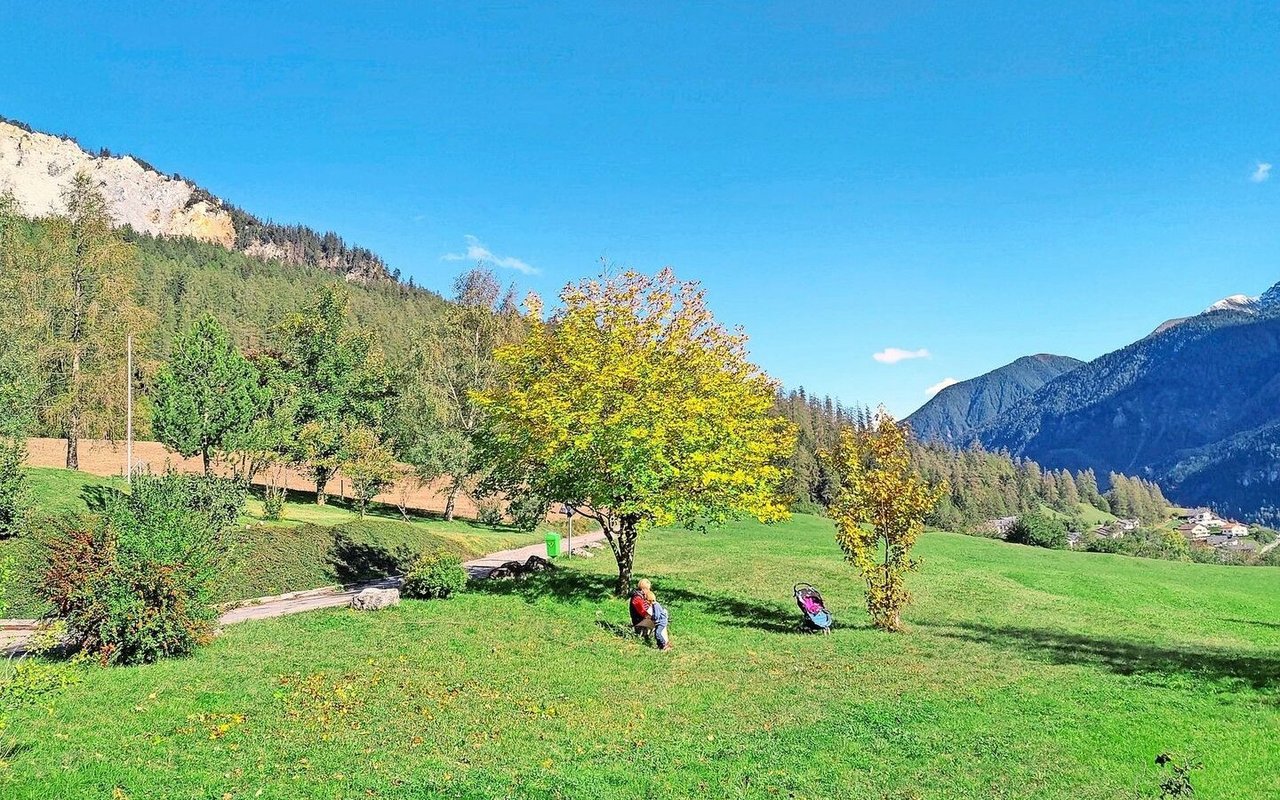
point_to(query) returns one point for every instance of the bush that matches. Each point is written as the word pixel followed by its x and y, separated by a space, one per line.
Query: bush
pixel 435 577
pixel 489 512
pixel 808 507
pixel 15 498
pixel 273 503
pixel 527 512
pixel 1039 531
pixel 134 585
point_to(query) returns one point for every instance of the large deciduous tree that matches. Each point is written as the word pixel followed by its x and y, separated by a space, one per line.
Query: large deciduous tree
pixel 19 384
pixel 632 404
pixel 87 295
pixel 339 380
pixel 206 395
pixel 437 417
pixel 879 513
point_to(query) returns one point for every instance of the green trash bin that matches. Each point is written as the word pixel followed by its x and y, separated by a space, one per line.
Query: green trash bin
pixel 553 545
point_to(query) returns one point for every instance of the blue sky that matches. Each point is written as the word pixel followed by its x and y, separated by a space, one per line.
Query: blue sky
pixel 976 181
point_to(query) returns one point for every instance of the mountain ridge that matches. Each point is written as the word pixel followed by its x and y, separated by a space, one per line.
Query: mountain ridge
pixel 36 167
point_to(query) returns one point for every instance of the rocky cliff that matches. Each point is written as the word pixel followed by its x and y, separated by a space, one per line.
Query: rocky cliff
pixel 36 169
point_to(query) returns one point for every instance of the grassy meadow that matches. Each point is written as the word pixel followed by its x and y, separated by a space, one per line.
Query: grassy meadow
pixel 1026 673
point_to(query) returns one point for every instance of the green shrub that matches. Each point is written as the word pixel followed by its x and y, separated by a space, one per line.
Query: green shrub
pixel 527 512
pixel 435 577
pixel 135 584
pixel 15 495
pixel 273 503
pixel 489 512
pixel 1039 531
pixel 808 507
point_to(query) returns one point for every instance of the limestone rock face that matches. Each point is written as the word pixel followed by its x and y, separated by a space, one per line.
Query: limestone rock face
pixel 375 599
pixel 37 168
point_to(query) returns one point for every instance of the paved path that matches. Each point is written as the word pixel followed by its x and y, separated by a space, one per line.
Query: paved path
pixel 14 632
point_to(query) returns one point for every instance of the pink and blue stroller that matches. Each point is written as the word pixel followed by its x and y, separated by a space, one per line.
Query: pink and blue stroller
pixel 815 616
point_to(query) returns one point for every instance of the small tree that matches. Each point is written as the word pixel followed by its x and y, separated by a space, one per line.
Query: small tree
pixel 339 383
pixel 369 466
pixel 206 395
pixel 879 513
pixel 1038 530
pixel 636 407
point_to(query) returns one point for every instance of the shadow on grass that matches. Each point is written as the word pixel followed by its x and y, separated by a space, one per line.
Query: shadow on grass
pixel 97 497
pixel 570 585
pixel 354 561
pixel 378 511
pixel 1259 623
pixel 1125 657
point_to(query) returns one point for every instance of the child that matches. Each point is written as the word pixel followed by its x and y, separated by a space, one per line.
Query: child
pixel 659 614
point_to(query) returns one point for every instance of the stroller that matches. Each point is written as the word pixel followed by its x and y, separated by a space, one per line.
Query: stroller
pixel 817 619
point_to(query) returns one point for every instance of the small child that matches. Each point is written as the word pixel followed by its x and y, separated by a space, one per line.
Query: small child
pixel 660 617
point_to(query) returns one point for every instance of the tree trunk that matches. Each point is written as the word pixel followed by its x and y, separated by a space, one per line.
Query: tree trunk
pixel 321 479
pixel 450 502
pixel 204 455
pixel 625 552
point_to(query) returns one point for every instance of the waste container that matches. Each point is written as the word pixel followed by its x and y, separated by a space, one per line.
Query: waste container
pixel 553 545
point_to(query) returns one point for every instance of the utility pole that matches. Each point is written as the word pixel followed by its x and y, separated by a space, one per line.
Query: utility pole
pixel 128 436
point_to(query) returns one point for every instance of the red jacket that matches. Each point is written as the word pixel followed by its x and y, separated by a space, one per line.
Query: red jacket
pixel 639 607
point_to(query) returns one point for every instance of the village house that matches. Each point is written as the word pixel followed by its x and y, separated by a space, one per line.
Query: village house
pixel 1194 531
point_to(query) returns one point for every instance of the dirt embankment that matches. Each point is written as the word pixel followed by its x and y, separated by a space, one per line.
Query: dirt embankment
pixel 103 457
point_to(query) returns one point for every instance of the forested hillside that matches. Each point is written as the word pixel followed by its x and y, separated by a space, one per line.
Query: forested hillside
pixel 1195 407
pixel 958 412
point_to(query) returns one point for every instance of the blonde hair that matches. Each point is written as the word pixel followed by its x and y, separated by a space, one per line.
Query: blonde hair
pixel 649 595
pixel 644 585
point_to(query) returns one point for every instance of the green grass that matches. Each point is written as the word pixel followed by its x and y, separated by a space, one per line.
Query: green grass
pixel 313 546
pixel 1092 515
pixel 1026 673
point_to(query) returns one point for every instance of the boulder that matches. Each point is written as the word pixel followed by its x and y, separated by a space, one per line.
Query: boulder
pixel 375 599
pixel 536 564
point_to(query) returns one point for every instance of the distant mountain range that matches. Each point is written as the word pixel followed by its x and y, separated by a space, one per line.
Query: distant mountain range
pixel 956 414
pixel 1195 406
pixel 37 167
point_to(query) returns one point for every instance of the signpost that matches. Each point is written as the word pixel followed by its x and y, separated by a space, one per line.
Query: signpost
pixel 568 512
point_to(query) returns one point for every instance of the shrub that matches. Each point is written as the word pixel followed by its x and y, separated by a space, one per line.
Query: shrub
pixel 527 512
pixel 134 585
pixel 1039 531
pixel 808 507
pixel 15 499
pixel 273 503
pixel 488 512
pixel 435 576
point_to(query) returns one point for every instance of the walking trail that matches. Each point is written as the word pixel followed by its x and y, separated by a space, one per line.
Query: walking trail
pixel 14 632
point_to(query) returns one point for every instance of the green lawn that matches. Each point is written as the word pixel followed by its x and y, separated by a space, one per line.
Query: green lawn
pixel 1026 673
pixel 1092 515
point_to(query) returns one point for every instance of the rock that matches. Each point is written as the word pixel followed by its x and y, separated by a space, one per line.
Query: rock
pixel 375 599
pixel 536 564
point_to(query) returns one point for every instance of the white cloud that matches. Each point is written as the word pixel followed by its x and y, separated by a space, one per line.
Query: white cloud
pixel 1262 173
pixel 478 253
pixel 892 355
pixel 940 385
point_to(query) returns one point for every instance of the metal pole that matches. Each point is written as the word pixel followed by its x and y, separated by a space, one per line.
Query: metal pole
pixel 570 535
pixel 128 437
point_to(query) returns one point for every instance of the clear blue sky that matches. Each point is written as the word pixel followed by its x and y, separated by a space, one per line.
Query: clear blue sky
pixel 981 181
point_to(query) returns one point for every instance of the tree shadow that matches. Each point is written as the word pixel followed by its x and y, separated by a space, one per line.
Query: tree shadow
pixel 573 586
pixel 1259 623
pixel 1251 669
pixel 97 497
pixel 353 561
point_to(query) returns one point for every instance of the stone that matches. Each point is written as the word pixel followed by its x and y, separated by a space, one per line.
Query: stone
pixel 375 599
pixel 536 564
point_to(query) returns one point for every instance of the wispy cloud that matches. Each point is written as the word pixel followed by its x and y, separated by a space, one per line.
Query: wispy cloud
pixel 940 385
pixel 476 252
pixel 1261 173
pixel 892 355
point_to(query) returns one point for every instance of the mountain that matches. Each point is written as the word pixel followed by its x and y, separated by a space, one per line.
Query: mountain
pixel 1195 406
pixel 956 414
pixel 37 167
pixel 1235 302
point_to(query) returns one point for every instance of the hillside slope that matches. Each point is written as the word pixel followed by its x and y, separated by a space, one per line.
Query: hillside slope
pixel 1195 406
pixel 36 168
pixel 956 414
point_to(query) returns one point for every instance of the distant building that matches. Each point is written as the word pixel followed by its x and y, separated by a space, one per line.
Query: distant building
pixel 1236 529
pixel 1201 514
pixel 1194 531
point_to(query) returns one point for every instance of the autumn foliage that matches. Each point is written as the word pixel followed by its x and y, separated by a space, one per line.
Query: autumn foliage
pixel 879 512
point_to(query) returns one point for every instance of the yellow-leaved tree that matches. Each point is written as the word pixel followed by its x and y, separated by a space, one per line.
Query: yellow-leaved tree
pixel 634 406
pixel 879 512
